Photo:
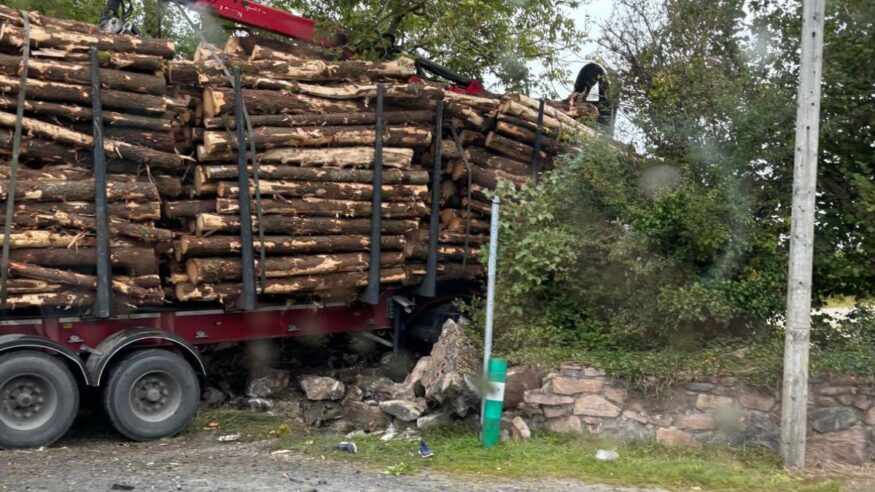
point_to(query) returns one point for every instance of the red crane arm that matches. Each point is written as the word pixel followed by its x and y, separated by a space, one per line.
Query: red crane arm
pixel 269 19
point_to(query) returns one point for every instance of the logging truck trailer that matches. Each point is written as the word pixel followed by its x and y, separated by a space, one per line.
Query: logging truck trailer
pixel 148 368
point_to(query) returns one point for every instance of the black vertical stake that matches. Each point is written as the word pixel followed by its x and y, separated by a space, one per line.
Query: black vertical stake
pixel 371 295
pixel 101 308
pixel 428 288
pixel 246 301
pixel 536 155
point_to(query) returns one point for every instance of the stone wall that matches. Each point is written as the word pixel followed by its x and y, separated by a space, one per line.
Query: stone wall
pixel 714 411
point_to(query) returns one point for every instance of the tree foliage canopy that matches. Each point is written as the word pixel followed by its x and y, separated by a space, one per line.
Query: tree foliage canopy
pixel 691 242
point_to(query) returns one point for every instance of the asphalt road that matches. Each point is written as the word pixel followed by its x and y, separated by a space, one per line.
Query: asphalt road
pixel 202 464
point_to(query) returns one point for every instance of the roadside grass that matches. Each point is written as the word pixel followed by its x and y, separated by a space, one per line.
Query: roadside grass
pixel 547 455
pixel 252 426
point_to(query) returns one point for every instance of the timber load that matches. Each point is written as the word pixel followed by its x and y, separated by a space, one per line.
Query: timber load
pixel 335 154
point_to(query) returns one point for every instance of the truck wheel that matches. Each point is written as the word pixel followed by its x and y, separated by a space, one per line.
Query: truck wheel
pixel 39 399
pixel 151 394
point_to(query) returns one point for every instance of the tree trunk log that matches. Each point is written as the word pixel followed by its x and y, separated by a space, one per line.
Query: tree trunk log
pixel 267 137
pixel 76 73
pixel 330 119
pixel 228 245
pixel 318 207
pixel 55 191
pixel 328 282
pixel 142 155
pixel 477 155
pixel 138 212
pixel 302 225
pixel 522 134
pixel 188 208
pixel 511 148
pixel 79 113
pixel 318 70
pixel 211 270
pixel 219 101
pixel 326 189
pixel 65 277
pixel 139 260
pixel 551 112
pixel 67 40
pixel 419 251
pixel 317 174
pixel 154 106
pixel 28 286
pixel 143 232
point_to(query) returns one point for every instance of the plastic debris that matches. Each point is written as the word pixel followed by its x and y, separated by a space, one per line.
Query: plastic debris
pixel 229 438
pixel 424 450
pixel 606 455
pixel 348 447
pixel 389 434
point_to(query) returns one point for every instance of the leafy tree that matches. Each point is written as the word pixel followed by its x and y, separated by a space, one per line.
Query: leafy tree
pixel 81 10
pixel 691 242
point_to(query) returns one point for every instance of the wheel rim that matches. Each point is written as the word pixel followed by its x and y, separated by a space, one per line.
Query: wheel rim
pixel 155 396
pixel 27 401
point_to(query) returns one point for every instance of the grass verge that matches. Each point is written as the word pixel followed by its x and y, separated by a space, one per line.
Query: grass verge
pixel 553 456
pixel 252 426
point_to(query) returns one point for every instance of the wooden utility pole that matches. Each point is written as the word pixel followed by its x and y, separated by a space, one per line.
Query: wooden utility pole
pixel 794 422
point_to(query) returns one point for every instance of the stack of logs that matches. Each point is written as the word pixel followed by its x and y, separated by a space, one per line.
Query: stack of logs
pixel 52 243
pixel 173 192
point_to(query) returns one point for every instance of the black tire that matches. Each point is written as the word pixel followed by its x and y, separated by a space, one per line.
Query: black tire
pixel 39 399
pixel 151 394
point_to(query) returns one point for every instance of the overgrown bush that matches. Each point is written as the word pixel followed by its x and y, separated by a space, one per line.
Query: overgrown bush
pixel 612 251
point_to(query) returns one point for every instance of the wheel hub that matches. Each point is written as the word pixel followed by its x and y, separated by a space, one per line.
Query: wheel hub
pixel 151 394
pixel 23 402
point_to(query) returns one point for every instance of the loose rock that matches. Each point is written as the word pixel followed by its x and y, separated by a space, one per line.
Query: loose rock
pixel 322 388
pixel 404 410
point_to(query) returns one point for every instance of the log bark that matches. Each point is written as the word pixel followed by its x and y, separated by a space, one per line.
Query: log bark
pixel 13 36
pixel 227 245
pixel 318 70
pixel 59 134
pixel 326 189
pixel 188 208
pixel 490 178
pixel 522 134
pixel 219 101
pixel 396 93
pixel 59 191
pixel 393 157
pixel 79 113
pixel 419 251
pixel 79 73
pixel 143 232
pixel 551 112
pixel 294 173
pixel 421 236
pixel 328 282
pixel 482 157
pixel 46 239
pixel 511 148
pixel 138 212
pixel 154 106
pixel 329 119
pixel 318 207
pixel 139 260
pixel 302 225
pixel 271 137
pixel 66 299
pixel 211 270
pixel 27 286
pixel 65 277
pixel 163 141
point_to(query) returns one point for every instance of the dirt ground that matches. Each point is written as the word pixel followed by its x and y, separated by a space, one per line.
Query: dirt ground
pixel 198 463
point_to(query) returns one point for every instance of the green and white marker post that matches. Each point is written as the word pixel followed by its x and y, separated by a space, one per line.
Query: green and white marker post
pixel 494 370
pixel 493 402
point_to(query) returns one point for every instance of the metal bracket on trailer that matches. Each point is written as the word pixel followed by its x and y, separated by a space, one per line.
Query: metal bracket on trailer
pixel 246 301
pixel 103 296
pixel 114 344
pixel 429 283
pixel 371 295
